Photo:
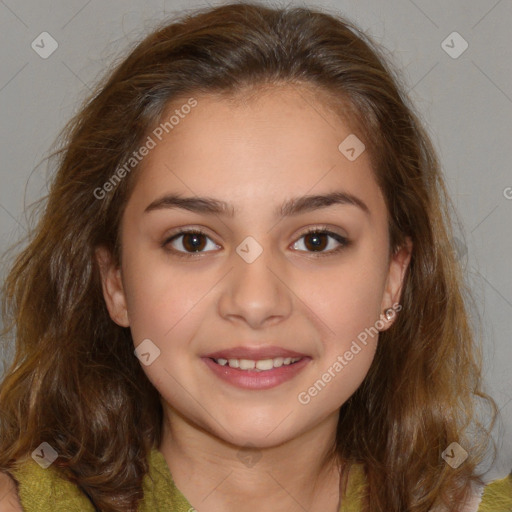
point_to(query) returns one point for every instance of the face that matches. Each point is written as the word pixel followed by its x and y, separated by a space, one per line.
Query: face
pixel 254 287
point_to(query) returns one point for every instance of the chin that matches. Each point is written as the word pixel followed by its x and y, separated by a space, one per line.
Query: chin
pixel 264 434
pixel 257 440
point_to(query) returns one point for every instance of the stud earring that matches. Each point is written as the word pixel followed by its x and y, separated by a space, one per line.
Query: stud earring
pixel 389 313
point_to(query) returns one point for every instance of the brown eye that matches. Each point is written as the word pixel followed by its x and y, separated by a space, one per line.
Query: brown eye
pixel 192 241
pixel 317 240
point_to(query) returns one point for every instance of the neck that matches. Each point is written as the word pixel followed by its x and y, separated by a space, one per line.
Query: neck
pixel 299 474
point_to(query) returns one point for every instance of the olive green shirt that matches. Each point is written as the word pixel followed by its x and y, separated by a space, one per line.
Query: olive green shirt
pixel 45 490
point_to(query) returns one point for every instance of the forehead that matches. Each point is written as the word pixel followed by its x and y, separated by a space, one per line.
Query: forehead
pixel 255 149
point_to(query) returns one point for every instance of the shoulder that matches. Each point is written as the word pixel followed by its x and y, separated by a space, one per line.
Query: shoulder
pixel 29 487
pixel 160 491
pixel 46 489
pixel 494 497
pixel 497 496
pixel 9 500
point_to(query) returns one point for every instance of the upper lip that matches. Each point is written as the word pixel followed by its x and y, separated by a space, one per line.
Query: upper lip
pixel 254 353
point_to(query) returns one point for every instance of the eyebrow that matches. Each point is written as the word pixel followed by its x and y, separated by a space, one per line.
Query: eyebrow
pixel 291 207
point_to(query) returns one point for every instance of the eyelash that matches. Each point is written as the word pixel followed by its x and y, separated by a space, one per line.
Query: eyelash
pixel 345 242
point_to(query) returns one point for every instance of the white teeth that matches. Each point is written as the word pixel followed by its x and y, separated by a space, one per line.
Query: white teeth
pixel 258 365
pixel 265 364
pixel 246 364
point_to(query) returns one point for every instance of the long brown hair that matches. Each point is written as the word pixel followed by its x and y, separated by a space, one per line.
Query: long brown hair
pixel 75 382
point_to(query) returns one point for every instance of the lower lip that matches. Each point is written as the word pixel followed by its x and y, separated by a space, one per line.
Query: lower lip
pixel 251 379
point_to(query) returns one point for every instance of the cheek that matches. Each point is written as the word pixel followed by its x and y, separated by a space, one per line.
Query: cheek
pixel 349 342
pixel 345 300
pixel 346 308
pixel 155 296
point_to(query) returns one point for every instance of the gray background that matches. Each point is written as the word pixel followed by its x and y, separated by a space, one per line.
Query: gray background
pixel 466 103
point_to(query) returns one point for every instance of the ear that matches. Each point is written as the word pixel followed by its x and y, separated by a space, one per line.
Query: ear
pixel 112 285
pixel 397 268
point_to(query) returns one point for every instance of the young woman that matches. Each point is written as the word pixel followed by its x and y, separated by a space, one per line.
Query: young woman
pixel 242 293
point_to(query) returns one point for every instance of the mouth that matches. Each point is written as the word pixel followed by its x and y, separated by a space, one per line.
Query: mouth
pixel 256 369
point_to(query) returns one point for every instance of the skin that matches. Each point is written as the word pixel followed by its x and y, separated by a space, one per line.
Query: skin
pixel 9 500
pixel 256 154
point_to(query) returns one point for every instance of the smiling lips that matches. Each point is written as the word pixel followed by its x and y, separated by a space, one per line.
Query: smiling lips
pixel 256 368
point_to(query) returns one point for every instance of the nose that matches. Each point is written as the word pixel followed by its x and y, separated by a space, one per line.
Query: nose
pixel 256 291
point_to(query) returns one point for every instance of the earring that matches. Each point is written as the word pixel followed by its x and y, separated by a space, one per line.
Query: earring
pixel 389 313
